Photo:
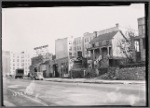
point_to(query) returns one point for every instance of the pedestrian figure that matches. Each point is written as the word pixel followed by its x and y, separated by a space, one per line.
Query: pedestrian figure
pixel 30 88
pixel 28 75
pixel 97 72
pixel 84 72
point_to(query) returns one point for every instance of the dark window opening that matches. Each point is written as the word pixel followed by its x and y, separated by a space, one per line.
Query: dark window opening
pixel 93 45
pixel 144 43
pixel 35 70
pixel 110 51
pixel 137 46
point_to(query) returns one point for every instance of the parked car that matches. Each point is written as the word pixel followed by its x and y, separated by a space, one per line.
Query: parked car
pixel 19 73
pixel 37 76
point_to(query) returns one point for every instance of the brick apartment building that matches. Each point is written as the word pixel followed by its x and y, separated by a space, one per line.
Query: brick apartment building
pixel 139 41
pixel 87 37
pixel 77 46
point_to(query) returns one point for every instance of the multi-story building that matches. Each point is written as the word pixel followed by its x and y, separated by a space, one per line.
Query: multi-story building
pixel 42 63
pixel 5 63
pixel 77 46
pixel 70 46
pixel 63 51
pixel 139 41
pixel 19 60
pixel 87 37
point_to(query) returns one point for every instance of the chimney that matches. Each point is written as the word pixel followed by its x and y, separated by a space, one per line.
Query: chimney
pixel 95 32
pixel 117 24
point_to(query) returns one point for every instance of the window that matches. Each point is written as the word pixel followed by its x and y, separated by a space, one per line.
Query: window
pixel 137 47
pixel 107 42
pixel 97 44
pixel 104 42
pixel 144 43
pixel 110 51
pixel 143 29
pixel 70 53
pixel 86 39
pixel 86 46
pixel 93 45
pixel 70 49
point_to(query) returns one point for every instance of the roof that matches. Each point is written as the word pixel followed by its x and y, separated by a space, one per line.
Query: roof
pixel 106 36
pixel 36 65
pixel 141 18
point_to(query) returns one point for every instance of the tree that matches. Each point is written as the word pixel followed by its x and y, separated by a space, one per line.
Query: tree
pixel 127 46
pixel 84 62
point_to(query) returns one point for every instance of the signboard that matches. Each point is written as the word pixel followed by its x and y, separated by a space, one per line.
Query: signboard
pixel 40 47
pixel 42 50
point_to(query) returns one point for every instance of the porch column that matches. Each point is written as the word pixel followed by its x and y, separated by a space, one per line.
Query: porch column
pixel 100 51
pixel 108 51
pixel 93 57
pixel 54 71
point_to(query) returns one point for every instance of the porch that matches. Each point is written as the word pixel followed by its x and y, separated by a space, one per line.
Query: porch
pixel 101 54
pixel 104 52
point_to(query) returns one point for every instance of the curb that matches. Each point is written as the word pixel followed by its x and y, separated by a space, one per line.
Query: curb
pixel 7 103
pixel 33 98
pixel 96 82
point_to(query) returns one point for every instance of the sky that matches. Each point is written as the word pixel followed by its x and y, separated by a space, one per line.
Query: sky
pixel 26 28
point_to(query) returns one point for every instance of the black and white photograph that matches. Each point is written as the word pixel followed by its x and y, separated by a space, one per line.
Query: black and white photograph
pixel 74 55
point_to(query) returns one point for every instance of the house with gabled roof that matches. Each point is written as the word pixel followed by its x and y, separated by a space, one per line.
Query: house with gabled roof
pixel 105 48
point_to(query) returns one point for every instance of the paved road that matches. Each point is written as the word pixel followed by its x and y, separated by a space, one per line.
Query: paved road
pixel 21 92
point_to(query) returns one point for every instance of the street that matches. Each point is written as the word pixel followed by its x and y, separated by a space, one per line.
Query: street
pixel 23 92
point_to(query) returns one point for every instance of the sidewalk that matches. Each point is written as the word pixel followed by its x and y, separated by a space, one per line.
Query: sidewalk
pixel 83 80
pixel 7 103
